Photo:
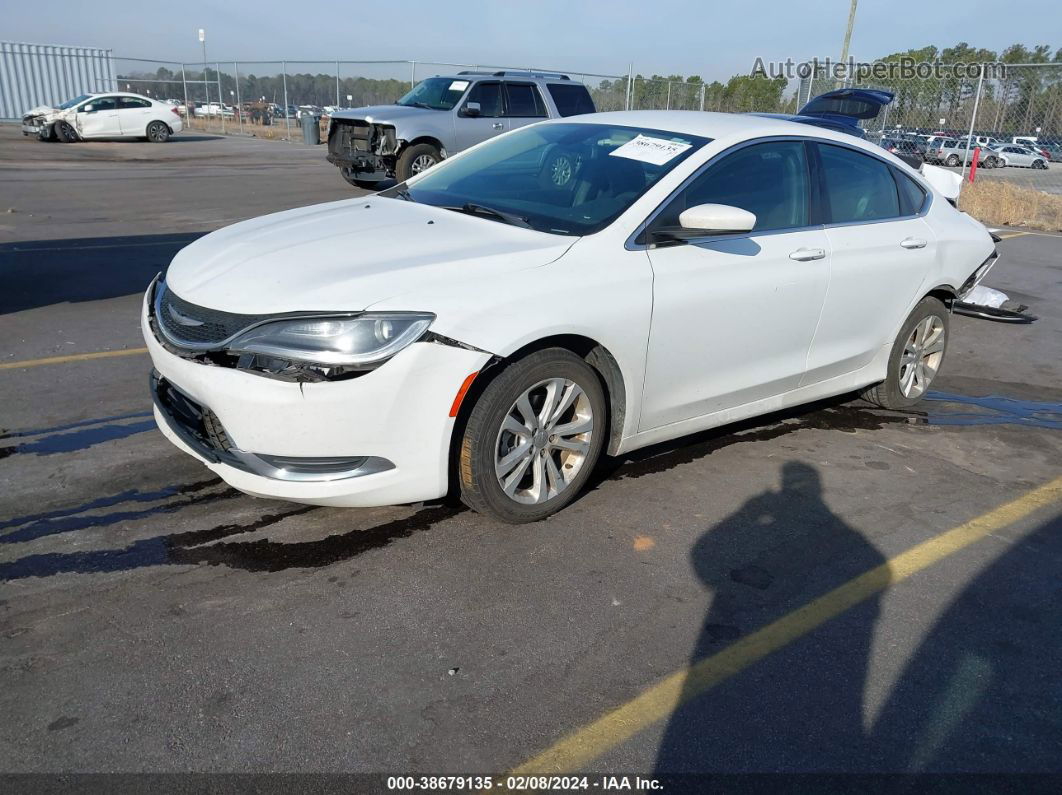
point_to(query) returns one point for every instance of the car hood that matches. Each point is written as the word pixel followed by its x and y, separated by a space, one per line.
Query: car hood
pixel 40 110
pixel 348 255
pixel 386 114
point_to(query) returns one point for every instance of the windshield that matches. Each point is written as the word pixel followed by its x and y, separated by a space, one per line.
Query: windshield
pixel 75 101
pixel 567 179
pixel 435 93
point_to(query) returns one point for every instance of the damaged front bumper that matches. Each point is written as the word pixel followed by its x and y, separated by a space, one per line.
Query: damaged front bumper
pixel 369 150
pixel 380 439
pixel 32 125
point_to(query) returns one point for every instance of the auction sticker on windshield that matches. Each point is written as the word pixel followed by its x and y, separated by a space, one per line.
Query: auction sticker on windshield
pixel 650 150
pixel 458 85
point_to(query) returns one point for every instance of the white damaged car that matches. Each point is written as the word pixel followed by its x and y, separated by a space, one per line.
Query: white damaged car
pixel 485 330
pixel 110 115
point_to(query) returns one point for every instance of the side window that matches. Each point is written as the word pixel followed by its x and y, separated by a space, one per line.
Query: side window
pixel 132 103
pixel 104 103
pixel 521 101
pixel 488 95
pixel 769 180
pixel 571 99
pixel 912 197
pixel 858 187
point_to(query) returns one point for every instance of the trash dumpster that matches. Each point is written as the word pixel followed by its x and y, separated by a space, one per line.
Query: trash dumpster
pixel 311 129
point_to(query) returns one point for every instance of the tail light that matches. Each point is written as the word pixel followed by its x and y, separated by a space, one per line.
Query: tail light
pixel 175 111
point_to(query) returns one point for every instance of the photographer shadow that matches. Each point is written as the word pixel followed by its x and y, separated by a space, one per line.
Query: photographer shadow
pixel 797 711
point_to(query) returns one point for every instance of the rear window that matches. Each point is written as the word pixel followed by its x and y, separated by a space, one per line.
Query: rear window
pixel 858 187
pixel 523 101
pixel 911 195
pixel 571 98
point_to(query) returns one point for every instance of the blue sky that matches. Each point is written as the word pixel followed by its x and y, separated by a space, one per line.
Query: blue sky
pixel 713 39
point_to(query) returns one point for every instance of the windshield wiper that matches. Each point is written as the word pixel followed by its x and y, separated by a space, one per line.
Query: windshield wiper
pixel 424 105
pixel 471 208
pixel 399 191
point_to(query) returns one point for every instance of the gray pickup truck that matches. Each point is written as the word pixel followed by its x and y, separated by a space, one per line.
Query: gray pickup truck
pixel 442 116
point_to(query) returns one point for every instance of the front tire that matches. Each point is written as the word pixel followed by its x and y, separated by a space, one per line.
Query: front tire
pixel 158 133
pixel 533 437
pixel 916 357
pixel 64 133
pixel 415 159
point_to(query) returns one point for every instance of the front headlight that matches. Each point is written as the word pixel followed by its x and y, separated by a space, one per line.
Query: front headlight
pixel 361 342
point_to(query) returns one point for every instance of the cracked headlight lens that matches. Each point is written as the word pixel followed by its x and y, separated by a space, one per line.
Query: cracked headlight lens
pixel 361 342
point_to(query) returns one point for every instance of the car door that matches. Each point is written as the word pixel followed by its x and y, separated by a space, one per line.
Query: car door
pixel 470 130
pixel 98 118
pixel 523 104
pixel 882 253
pixel 1016 156
pixel 734 315
pixel 133 115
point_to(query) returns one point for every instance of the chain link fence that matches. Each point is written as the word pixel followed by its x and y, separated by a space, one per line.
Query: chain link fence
pixel 1000 128
pixel 1014 115
pixel 267 98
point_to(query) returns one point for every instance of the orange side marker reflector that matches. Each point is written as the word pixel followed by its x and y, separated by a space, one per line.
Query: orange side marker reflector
pixel 460 396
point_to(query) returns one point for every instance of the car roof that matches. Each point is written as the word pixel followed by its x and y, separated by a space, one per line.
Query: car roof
pixel 118 94
pixel 816 121
pixel 718 126
pixel 528 77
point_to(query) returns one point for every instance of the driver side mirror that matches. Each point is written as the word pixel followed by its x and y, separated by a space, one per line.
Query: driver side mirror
pixel 89 108
pixel 471 109
pixel 708 219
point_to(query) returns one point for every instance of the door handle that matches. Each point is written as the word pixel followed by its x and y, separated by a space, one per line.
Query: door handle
pixel 913 242
pixel 806 254
pixel 497 125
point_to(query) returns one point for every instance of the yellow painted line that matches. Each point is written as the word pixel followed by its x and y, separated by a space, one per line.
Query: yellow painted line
pixel 1014 234
pixel 575 750
pixel 73 357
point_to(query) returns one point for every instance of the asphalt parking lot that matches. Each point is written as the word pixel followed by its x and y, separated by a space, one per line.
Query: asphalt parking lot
pixel 833 589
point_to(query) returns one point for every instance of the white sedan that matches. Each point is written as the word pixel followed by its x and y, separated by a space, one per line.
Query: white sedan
pixel 491 329
pixel 109 115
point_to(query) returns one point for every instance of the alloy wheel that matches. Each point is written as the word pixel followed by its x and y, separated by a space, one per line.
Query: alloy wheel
pixel 921 358
pixel 561 171
pixel 543 441
pixel 421 163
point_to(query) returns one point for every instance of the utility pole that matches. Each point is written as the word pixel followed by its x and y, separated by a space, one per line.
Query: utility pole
pixel 206 85
pixel 848 32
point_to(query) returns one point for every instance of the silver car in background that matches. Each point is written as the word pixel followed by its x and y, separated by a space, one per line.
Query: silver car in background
pixel 1020 156
pixel 443 115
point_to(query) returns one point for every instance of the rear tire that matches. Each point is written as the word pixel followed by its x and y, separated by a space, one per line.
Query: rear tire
pixel 953 160
pixel 916 357
pixel 158 132
pixel 414 159
pixel 523 464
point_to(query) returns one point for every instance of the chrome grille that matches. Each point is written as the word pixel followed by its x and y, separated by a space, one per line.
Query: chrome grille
pixel 186 324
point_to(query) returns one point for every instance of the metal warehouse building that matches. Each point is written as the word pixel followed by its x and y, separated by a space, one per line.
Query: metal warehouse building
pixel 46 74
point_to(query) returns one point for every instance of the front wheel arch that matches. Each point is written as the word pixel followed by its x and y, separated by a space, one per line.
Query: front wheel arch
pixel 591 351
pixel 422 139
